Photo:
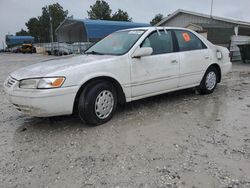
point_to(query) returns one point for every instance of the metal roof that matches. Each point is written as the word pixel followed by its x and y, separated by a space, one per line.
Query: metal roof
pixel 97 29
pixel 15 40
pixel 208 25
pixel 237 22
pixel 102 28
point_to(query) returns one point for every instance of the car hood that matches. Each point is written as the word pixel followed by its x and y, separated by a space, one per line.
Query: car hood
pixel 48 67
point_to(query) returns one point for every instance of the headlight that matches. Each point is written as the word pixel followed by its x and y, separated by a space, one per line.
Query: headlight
pixel 42 83
pixel 29 83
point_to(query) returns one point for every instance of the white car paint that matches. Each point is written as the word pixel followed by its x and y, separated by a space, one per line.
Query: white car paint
pixel 138 77
pixel 153 74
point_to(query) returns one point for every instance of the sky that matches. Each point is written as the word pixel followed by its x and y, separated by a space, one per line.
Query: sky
pixel 14 13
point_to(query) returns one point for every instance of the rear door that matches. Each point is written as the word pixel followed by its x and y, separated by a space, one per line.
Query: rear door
pixel 194 58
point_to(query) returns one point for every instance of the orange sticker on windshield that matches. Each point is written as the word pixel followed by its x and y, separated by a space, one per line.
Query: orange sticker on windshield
pixel 186 37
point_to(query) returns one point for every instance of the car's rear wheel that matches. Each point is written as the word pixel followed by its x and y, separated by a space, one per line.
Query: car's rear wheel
pixel 98 104
pixel 209 81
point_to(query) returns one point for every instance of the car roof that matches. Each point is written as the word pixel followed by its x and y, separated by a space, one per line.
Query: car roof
pixel 150 29
pixel 155 28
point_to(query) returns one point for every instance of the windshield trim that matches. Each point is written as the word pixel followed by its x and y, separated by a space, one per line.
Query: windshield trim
pixel 144 30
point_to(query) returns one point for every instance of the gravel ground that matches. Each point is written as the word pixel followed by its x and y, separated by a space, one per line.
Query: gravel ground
pixel 179 139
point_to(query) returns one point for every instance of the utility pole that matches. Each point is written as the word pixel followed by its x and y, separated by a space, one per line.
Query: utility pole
pixel 211 12
pixel 51 31
pixel 51 28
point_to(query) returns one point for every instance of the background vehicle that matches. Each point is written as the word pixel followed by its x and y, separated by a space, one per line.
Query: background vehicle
pixel 28 48
pixel 16 49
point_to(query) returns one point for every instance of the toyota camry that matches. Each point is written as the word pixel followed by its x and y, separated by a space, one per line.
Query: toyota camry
pixel 125 66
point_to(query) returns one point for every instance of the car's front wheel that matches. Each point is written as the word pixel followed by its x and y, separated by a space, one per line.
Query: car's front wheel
pixel 209 81
pixel 98 104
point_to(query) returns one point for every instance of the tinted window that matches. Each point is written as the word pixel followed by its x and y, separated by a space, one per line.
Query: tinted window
pixel 160 42
pixel 188 41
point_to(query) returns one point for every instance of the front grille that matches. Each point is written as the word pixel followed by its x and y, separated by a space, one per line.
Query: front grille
pixel 10 81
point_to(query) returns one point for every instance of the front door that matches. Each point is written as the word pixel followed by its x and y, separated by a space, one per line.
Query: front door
pixel 158 72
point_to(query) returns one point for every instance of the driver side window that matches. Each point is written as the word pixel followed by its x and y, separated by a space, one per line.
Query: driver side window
pixel 161 42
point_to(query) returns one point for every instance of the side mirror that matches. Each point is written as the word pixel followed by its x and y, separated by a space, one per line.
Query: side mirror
pixel 144 51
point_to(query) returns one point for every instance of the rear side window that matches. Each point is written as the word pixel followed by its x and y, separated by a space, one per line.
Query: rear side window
pixel 187 41
pixel 161 42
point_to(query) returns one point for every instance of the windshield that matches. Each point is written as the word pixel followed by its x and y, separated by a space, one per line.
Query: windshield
pixel 117 43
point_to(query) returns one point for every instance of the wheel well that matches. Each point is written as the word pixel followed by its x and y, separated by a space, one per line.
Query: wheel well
pixel 120 94
pixel 219 70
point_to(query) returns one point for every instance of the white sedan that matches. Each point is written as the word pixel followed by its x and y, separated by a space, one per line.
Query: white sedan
pixel 125 66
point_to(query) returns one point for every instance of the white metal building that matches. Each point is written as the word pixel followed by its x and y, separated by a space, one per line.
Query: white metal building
pixel 221 31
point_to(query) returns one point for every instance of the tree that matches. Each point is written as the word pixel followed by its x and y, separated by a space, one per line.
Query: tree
pixel 57 15
pixel 44 22
pixel 156 19
pixel 34 28
pixel 22 32
pixel 121 15
pixel 40 27
pixel 100 10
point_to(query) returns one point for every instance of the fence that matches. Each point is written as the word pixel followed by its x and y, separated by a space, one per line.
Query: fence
pixel 57 48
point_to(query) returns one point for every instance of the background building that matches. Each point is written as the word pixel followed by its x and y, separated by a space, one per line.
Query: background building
pixel 220 31
pixel 217 30
pixel 78 30
pixel 12 40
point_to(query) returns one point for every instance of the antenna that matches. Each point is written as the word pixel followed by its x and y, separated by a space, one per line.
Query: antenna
pixel 211 12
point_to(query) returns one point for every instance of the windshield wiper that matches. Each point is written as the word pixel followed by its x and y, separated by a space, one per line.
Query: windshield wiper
pixel 94 53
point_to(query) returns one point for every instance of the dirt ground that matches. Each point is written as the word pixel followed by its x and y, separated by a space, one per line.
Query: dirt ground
pixel 179 139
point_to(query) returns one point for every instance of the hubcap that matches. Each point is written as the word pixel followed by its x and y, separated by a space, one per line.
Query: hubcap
pixel 104 104
pixel 211 80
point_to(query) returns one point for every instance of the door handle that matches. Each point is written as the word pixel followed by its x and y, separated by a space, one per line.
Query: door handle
pixel 207 57
pixel 174 61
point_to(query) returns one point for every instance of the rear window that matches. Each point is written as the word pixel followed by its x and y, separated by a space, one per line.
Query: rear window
pixel 187 41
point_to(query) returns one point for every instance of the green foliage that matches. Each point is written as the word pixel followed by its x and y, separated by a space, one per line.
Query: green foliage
pixel 40 27
pixel 57 15
pixel 156 19
pixel 22 32
pixel 121 15
pixel 102 11
pixel 34 28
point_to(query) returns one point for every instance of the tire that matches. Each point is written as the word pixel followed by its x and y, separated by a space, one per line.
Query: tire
pixel 209 81
pixel 98 103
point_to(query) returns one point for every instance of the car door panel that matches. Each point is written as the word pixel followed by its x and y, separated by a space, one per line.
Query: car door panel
pixel 158 72
pixel 193 65
pixel 153 74
pixel 194 58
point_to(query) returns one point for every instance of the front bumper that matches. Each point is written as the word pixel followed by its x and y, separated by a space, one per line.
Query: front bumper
pixel 42 102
